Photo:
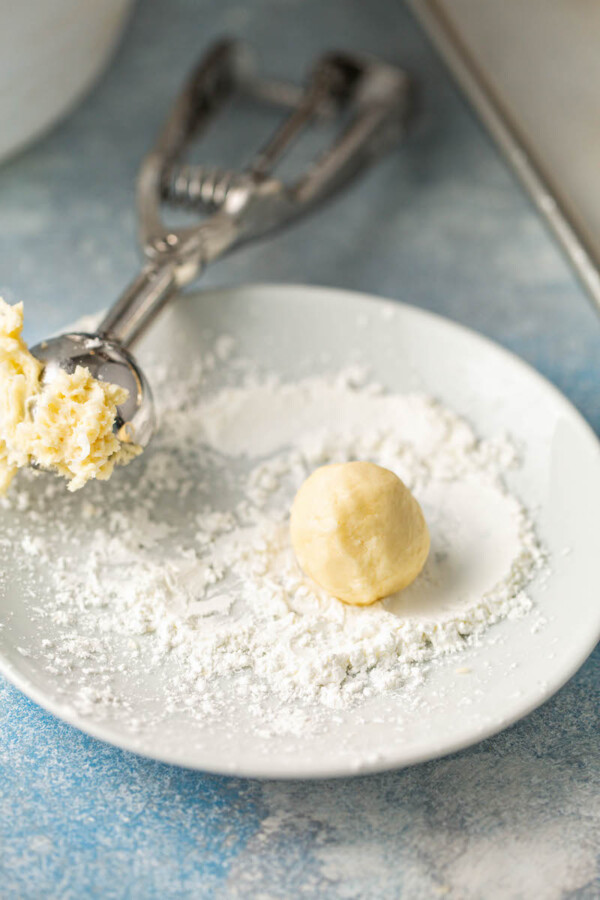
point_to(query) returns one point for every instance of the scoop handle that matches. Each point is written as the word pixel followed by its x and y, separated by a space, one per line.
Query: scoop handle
pixel 168 270
pixel 140 303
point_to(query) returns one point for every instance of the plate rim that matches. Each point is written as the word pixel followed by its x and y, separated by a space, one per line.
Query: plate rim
pixel 271 771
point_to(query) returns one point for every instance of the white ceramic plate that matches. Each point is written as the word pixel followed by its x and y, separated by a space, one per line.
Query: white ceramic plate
pixel 512 671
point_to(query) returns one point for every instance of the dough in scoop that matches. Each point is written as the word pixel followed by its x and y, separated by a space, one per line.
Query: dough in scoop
pixel 65 426
pixel 358 532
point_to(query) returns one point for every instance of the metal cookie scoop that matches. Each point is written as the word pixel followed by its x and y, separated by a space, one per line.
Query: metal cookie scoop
pixel 375 101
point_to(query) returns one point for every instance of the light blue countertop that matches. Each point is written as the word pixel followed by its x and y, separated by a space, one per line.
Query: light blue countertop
pixel 440 224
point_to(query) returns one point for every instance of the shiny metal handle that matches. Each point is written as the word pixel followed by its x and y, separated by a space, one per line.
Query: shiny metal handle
pixel 165 275
pixel 373 99
pixel 140 303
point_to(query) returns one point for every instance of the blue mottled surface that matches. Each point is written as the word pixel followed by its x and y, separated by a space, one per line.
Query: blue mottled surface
pixel 442 225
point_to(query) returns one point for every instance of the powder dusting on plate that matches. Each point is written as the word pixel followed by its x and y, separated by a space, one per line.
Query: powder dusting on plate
pixel 178 575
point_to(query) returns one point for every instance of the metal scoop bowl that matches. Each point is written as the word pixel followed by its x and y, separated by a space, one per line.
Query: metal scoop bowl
pixel 106 361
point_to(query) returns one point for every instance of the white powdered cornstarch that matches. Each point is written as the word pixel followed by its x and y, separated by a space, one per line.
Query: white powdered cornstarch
pixel 180 572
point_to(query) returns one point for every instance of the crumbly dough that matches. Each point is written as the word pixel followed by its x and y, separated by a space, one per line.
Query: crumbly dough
pixel 65 426
pixel 358 532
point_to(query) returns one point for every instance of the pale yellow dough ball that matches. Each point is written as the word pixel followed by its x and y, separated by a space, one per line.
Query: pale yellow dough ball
pixel 358 532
